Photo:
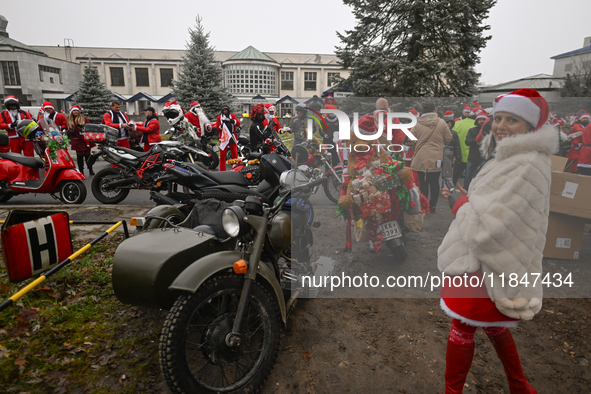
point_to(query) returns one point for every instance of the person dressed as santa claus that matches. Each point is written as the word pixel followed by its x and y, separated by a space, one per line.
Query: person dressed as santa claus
pixel 57 117
pixel 499 232
pixel 196 116
pixel 9 120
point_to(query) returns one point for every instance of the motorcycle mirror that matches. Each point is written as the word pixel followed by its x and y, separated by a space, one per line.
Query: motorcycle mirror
pixel 167 132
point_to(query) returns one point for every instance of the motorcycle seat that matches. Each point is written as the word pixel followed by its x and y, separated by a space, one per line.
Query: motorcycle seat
pixel 32 162
pixel 254 155
pixel 228 177
pixel 139 155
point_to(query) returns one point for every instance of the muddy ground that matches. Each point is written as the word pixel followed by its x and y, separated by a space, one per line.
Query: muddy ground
pixel 395 344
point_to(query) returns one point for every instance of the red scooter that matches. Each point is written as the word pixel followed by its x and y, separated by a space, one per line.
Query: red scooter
pixel 20 174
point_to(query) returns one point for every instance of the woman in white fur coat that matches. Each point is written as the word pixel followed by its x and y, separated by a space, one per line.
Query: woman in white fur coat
pixel 499 230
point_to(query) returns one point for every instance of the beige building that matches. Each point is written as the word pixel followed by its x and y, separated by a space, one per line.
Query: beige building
pixel 142 77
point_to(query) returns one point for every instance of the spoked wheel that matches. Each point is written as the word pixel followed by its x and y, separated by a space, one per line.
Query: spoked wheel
pixel 194 355
pixel 73 192
pixel 332 187
pixel 104 193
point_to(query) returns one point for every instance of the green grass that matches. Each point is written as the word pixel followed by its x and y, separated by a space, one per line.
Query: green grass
pixel 72 333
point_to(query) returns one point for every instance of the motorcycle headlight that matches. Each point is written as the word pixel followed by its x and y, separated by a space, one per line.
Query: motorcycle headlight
pixel 233 221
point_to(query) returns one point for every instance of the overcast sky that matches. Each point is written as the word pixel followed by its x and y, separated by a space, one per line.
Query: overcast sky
pixel 525 33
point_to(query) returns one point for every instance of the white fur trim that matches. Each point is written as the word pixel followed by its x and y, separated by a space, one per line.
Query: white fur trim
pixel 520 106
pixel 476 323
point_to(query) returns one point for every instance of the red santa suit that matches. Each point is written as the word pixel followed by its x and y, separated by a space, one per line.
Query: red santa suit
pixel 575 147
pixel 585 152
pixel 150 132
pixel 232 145
pixel 111 120
pixel 17 144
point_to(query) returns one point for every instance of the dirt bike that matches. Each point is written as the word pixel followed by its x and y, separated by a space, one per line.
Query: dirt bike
pixel 129 169
pixel 227 298
pixel 20 174
pixel 316 164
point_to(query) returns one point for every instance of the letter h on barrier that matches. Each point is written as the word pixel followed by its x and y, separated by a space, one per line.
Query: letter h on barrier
pixel 36 248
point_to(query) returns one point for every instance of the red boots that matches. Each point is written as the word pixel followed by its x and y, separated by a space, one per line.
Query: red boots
pixel 458 360
pixel 507 352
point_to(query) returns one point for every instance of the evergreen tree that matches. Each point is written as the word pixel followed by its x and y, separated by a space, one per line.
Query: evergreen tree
pixel 201 76
pixel 414 48
pixel 94 98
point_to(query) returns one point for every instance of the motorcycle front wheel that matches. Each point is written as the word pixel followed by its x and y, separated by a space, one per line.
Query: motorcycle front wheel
pixel 72 192
pixel 332 186
pixel 194 356
pixel 105 194
pixel 214 160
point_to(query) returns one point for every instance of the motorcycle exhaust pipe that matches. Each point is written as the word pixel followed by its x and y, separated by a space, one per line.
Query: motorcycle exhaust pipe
pixel 121 182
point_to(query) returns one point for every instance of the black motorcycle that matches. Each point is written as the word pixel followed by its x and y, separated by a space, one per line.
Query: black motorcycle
pixel 198 184
pixel 129 168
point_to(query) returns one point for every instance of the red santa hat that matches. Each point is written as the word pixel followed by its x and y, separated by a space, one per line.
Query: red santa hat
pixel 448 114
pixel 457 119
pixel 195 104
pixel 525 103
pixel 413 111
pixel 75 108
pixel 475 110
pixel 173 104
pixel 269 107
pixel 481 114
pixel 583 114
pixel 476 103
pixel 46 104
pixel 466 107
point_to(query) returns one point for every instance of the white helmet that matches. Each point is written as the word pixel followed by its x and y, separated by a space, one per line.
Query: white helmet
pixel 173 113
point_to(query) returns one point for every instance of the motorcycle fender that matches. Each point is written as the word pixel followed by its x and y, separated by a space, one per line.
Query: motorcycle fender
pixel 194 275
pixel 164 211
pixel 68 175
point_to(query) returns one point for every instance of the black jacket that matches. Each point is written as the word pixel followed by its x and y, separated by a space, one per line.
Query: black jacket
pixel 258 133
pixel 455 144
pixel 474 156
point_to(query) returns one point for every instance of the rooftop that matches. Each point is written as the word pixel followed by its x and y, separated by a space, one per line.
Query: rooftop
pixel 538 82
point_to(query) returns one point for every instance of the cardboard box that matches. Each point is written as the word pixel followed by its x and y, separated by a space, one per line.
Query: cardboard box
pixel 571 194
pixel 564 237
pixel 558 163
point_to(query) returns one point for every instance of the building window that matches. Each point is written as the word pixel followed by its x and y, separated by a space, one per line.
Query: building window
pixel 50 70
pixel 11 74
pixel 568 67
pixel 286 80
pixel 141 77
pixel 258 80
pixel 286 108
pixel 309 81
pixel 331 76
pixel 117 78
pixel 166 77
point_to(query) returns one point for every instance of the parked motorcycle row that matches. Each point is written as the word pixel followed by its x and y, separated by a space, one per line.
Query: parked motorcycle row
pixel 224 252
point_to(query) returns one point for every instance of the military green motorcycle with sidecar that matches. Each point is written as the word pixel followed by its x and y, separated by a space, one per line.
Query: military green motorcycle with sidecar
pixel 227 294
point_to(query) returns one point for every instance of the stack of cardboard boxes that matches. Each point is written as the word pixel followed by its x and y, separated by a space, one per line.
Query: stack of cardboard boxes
pixel 570 207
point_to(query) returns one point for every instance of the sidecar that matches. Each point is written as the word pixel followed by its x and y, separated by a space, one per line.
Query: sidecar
pixel 145 265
